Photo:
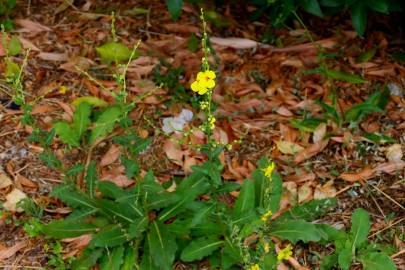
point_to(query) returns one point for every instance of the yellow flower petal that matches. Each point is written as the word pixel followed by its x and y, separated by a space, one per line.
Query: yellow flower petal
pixel 210 84
pixel 200 76
pixel 202 90
pixel 210 74
pixel 195 86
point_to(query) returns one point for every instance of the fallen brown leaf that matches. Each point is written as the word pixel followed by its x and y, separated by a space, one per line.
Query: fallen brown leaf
pixel 9 252
pixel 5 181
pixel 362 175
pixel 12 199
pixel 311 151
pixel 111 155
pixel 30 26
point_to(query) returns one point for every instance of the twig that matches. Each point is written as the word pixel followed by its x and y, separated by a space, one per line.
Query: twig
pixel 398 253
pixel 388 197
pixel 386 228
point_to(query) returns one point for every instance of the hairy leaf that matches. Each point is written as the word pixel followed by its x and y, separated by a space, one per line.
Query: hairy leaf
pixel 105 123
pixel 296 230
pixel 342 76
pixel 360 227
pixel 91 178
pixel 81 118
pixel 246 199
pixel 60 229
pixel 67 134
pixel 162 245
pixel 94 101
pixel 377 261
pixel 109 237
pixel 112 260
pixel 113 52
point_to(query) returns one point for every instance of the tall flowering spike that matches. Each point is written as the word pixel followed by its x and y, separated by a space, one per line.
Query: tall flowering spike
pixel 285 253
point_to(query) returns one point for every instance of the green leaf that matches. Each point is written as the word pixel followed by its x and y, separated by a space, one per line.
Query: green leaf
pixel 358 111
pixel 345 258
pixel 360 227
pixel 50 160
pixel 131 167
pixel 127 212
pixel 113 52
pixel 93 101
pixel 312 6
pixel 342 76
pixel 162 246
pixel 359 17
pixel 130 259
pixel 328 262
pixel 137 227
pixel 276 192
pixel 246 199
pixel 74 170
pixel 378 5
pixel 63 229
pixel 309 211
pixel 306 125
pixel 366 56
pixel 377 261
pixel 109 237
pixel 330 111
pixel 81 118
pixel 14 46
pixel 105 123
pixel 67 134
pixel 111 190
pixel 200 248
pixel 112 260
pixel 147 262
pixel 74 198
pixel 384 98
pixel 174 7
pixel 88 259
pixel 295 230
pixel 91 178
pixel 378 138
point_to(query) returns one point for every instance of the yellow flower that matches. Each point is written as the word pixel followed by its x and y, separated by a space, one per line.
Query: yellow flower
pixel 269 169
pixel 211 121
pixel 63 89
pixel 267 215
pixel 254 267
pixel 285 253
pixel 204 82
pixel 266 247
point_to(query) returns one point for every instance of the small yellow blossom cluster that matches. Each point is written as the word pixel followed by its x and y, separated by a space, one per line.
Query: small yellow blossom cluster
pixel 254 267
pixel 205 81
pixel 269 170
pixel 285 253
pixel 266 215
pixel 266 247
pixel 204 104
pixel 211 121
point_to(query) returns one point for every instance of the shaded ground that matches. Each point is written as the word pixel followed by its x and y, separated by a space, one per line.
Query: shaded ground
pixel 259 91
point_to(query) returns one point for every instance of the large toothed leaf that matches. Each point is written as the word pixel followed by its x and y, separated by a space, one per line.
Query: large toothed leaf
pixel 81 118
pixel 105 123
pixel 162 245
pixel 296 230
pixel 67 134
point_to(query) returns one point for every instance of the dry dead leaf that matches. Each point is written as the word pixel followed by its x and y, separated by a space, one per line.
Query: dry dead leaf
pixel 75 63
pixel 362 175
pixel 284 111
pixel 235 43
pixel 311 151
pixel 173 152
pixel 319 132
pixel 394 153
pixel 9 252
pixel 288 148
pixel 327 190
pixel 305 192
pixel 25 181
pixel 30 26
pixel 5 181
pixel 390 167
pixel 111 155
pixel 79 242
pixel 14 197
pixel 52 56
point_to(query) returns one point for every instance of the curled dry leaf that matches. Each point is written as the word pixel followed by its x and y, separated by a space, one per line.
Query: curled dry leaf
pixel 14 197
pixel 9 252
pixel 111 155
pixel 25 181
pixel 311 151
pixel 5 181
pixel 394 153
pixel 235 43
pixel 78 242
pixel 362 175
pixel 284 111
pixel 288 148
pixel 327 190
